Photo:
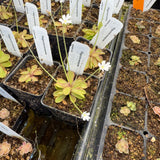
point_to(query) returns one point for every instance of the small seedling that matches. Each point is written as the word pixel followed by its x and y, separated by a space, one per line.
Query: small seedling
pixel 157 62
pixel 95 57
pixel 121 134
pixel 131 106
pixel 158 30
pixel 63 28
pixel 74 88
pixel 20 38
pixel 90 33
pixel 122 146
pixel 140 25
pixel 4 14
pixel 135 39
pixel 30 74
pixel 135 60
pixel 4 63
pixel 5 148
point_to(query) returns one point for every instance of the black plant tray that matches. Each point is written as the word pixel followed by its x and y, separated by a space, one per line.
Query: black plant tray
pixel 92 145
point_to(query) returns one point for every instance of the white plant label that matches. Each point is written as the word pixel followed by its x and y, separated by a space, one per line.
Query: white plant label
pixel 148 4
pixel 32 15
pixel 19 5
pixel 8 131
pixel 86 3
pixel 9 40
pixel 117 6
pixel 7 95
pixel 76 11
pixel 42 45
pixel 45 6
pixel 106 11
pixel 107 33
pixel 78 56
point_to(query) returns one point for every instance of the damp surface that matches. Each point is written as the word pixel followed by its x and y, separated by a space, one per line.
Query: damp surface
pixel 54 140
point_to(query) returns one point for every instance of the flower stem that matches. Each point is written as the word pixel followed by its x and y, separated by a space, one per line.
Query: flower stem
pixel 16 19
pixel 9 5
pixel 77 108
pixel 92 74
pixel 59 50
pixel 39 62
pixel 64 41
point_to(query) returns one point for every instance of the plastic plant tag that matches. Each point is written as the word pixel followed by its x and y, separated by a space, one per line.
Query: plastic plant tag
pixel 76 11
pixel 42 45
pixel 19 5
pixel 117 6
pixel 78 56
pixel 8 131
pixel 143 5
pixel 107 33
pixel 9 40
pixel 148 4
pixel 105 11
pixel 86 3
pixel 32 15
pixel 7 95
pixel 45 6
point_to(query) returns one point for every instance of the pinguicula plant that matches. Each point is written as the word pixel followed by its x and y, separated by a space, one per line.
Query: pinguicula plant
pixel 122 146
pixel 30 74
pixel 95 57
pixel 20 36
pixel 140 25
pixel 126 110
pixel 4 14
pixel 135 60
pixel 157 62
pixel 4 63
pixel 135 39
pixel 90 33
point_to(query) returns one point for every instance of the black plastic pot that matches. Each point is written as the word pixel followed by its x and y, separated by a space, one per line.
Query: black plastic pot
pixel 68 117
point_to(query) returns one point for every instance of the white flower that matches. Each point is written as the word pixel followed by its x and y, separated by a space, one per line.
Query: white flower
pixel 65 19
pixel 85 116
pixel 61 1
pixel 104 66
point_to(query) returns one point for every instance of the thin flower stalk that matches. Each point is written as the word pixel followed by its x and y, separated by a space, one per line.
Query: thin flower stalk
pixel 64 41
pixel 59 50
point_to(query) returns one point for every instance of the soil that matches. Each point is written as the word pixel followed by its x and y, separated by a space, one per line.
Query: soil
pixel 11 20
pixel 114 134
pixel 153 149
pixel 14 108
pixel 32 87
pixel 66 105
pixel 14 153
pixel 126 57
pixel 142 46
pixel 155 46
pixel 135 119
pixel 93 14
pixel 152 15
pixel 133 26
pixel 131 82
pixel 153 122
pixel 43 22
pixel 154 28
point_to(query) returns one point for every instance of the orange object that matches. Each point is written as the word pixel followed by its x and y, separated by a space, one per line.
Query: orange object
pixel 138 4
